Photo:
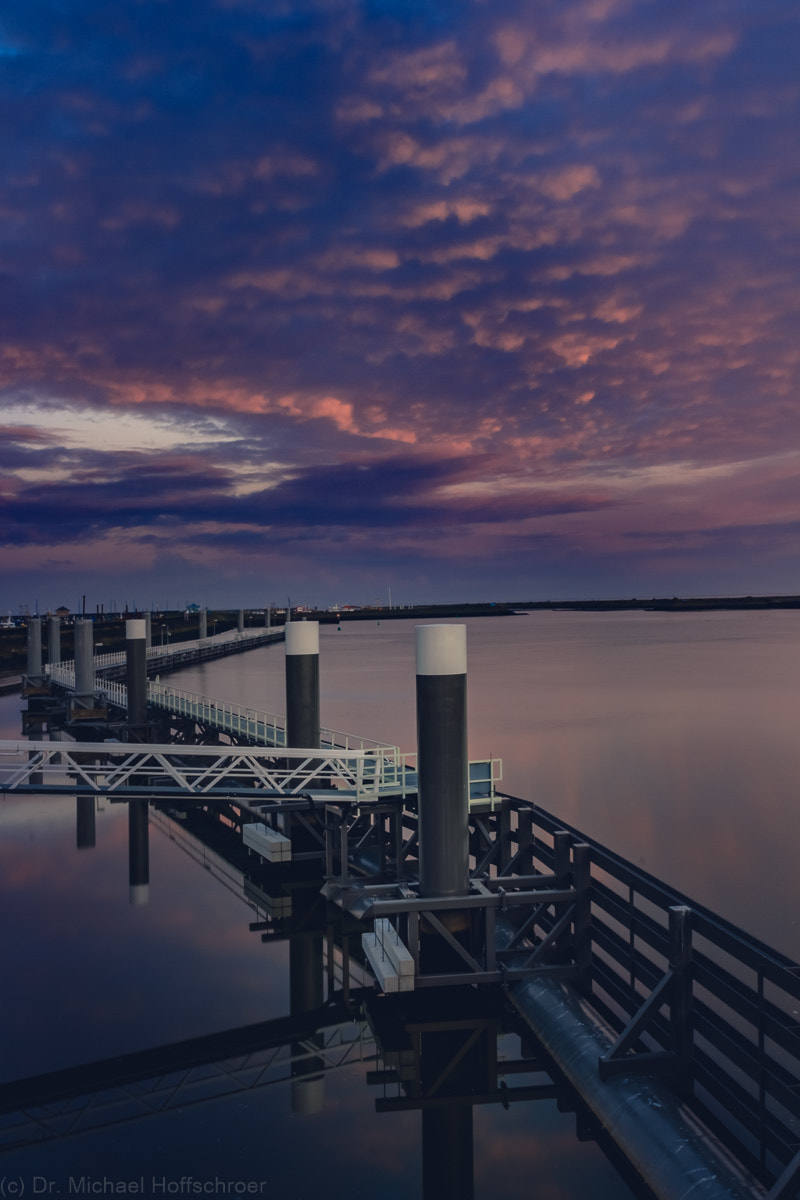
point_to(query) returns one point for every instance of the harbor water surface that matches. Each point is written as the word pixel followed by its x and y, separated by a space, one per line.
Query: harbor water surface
pixel 670 738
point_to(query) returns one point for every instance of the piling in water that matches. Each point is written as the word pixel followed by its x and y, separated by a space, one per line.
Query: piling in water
pixel 84 660
pixel 136 670
pixel 34 648
pixel 442 760
pixel 302 684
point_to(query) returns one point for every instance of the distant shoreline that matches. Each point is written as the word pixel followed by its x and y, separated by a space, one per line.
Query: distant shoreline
pixel 13 652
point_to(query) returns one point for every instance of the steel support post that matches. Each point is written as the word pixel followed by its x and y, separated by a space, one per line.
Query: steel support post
pixel 582 923
pixel 54 641
pixel 35 648
pixel 561 870
pixel 136 670
pixel 525 841
pixel 680 1015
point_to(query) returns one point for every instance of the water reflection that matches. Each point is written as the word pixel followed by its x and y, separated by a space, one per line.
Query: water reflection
pixel 298 1074
pixel 670 738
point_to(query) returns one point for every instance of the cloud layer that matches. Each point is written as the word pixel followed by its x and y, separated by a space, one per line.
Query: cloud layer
pixel 466 298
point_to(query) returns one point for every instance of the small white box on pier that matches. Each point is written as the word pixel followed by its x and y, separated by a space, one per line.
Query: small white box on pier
pixel 266 842
pixel 391 961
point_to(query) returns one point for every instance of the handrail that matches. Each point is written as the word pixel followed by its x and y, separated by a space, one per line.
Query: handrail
pixel 117 657
pixel 741 1041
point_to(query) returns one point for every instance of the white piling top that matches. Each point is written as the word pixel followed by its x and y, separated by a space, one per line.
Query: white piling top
pixel 441 649
pixel 302 637
pixel 135 629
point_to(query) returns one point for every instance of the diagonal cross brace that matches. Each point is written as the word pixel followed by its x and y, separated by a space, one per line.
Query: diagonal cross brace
pixel 674 988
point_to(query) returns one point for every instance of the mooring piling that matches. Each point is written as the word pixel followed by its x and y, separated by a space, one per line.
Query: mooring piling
pixel 54 641
pixel 442 760
pixel 84 660
pixel 136 670
pixel 202 632
pixel 302 684
pixel 35 648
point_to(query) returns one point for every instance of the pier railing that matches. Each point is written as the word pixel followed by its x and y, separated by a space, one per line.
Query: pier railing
pixel 262 728
pixel 116 658
pixel 265 728
pixel 688 995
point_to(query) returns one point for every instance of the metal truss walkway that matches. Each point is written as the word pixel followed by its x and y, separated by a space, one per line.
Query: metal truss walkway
pixel 117 769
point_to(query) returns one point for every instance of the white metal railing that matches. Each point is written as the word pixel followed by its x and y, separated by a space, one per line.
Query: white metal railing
pixel 264 728
pixel 118 656
pixel 63 673
pixel 109 768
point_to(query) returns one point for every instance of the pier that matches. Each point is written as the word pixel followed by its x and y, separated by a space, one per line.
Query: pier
pixel 437 913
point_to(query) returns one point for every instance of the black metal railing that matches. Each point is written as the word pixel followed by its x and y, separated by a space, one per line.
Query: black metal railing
pixel 689 995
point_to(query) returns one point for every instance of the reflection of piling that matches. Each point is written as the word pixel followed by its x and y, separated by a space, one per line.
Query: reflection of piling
pixel 138 852
pixel 85 822
pixel 203 630
pixel 84 660
pixel 54 641
pixel 306 994
pixel 302 684
pixel 136 670
pixel 447 1153
pixel 442 759
pixel 35 648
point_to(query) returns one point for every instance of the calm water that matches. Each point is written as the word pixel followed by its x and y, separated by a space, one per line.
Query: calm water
pixel 669 738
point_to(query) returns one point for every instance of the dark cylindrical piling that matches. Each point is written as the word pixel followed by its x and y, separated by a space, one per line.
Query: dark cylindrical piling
pixel 302 684
pixel 240 622
pixel 148 625
pixel 442 760
pixel 138 852
pixel 54 641
pixel 267 616
pixel 84 660
pixel 35 648
pixel 203 632
pixel 136 670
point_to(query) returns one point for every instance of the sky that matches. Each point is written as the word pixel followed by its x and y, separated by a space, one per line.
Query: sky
pixel 429 300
